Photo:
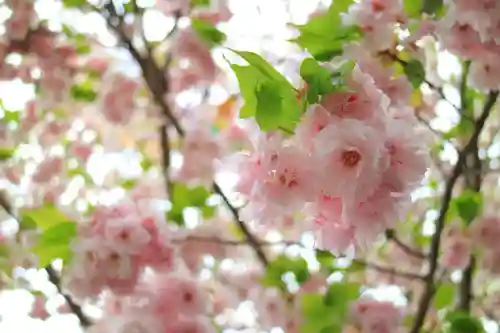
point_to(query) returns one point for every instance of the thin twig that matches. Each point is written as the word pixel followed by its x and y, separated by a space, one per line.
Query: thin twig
pixel 389 270
pixel 390 234
pixel 426 298
pixel 159 86
pixel 52 274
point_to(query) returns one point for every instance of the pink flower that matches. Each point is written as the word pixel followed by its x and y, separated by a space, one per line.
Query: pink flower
pixel 350 155
pixel 177 294
pixel 38 311
pixel 126 235
pixel 48 169
pixel 456 251
pixel 373 316
pixel 486 232
pixel 81 150
pixel 191 325
pixel 485 73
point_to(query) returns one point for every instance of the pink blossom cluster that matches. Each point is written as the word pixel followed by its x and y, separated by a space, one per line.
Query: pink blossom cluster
pixel 118 99
pixel 372 316
pixel 350 166
pixel 482 234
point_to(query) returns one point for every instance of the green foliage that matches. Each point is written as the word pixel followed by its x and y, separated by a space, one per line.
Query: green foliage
pixel 45 217
pixel 327 313
pixel 57 232
pixel 10 116
pixel 80 41
pixel 444 296
pixel 54 243
pixel 128 184
pixel 325 35
pixel 284 264
pixel 415 72
pixel 6 153
pixel 208 33
pixel 413 8
pixel 318 78
pixel 80 172
pixel 200 3
pixel 326 260
pixel 74 3
pixel 432 7
pixel 184 197
pixel 83 92
pixel 461 322
pixel 468 205
pixel 268 95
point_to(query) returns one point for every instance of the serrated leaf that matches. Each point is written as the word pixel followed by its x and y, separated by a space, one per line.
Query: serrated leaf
pixel 316 315
pixel 208 32
pixel 415 72
pixel 45 217
pixel 284 264
pixel 248 78
pixel 326 259
pixel 444 296
pixel 183 197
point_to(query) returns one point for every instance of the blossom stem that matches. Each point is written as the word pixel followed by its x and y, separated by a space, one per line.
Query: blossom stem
pixel 389 270
pixel 52 275
pixel 458 169
pixel 158 85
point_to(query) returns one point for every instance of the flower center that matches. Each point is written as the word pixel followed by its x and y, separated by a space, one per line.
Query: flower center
pixel 351 158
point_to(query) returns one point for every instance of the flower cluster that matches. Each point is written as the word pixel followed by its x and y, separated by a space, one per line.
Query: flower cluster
pixel 351 166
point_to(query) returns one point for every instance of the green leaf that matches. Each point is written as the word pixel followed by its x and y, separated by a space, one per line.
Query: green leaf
pixel 208 32
pixel 319 317
pixel 183 197
pixel 415 72
pixel 340 294
pixel 468 205
pixel 128 184
pixel 54 243
pixel 269 110
pixel 461 322
pixel 80 172
pixel 268 95
pixel 326 260
pixel 444 296
pixel 432 7
pixel 284 264
pixel 45 217
pixel 263 67
pixel 6 153
pixel 11 116
pixel 324 36
pixel 248 79
pixel 83 92
pixel 200 3
pixel 318 78
pixel 413 8
pixel 73 3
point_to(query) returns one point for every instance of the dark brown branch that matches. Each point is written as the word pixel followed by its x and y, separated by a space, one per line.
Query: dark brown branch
pixel 52 274
pixel 159 87
pixel 391 235
pixel 445 205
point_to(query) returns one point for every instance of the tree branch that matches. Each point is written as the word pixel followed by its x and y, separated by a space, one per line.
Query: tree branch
pixel 445 204
pixel 159 87
pixel 389 270
pixel 390 234
pixel 52 274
